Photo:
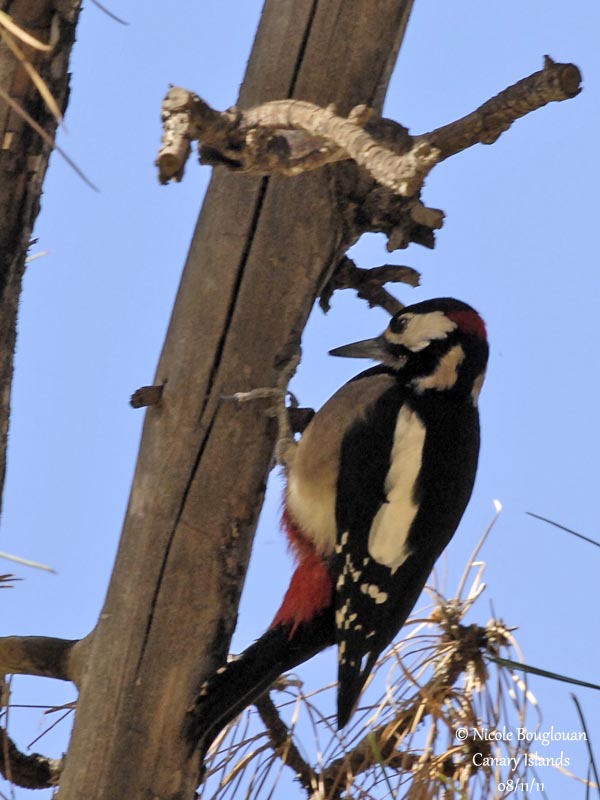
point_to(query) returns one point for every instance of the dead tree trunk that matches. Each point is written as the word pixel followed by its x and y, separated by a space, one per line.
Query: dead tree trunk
pixel 24 156
pixel 262 249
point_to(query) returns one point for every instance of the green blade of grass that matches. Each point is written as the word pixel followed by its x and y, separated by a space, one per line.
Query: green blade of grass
pixel 564 528
pixel 544 673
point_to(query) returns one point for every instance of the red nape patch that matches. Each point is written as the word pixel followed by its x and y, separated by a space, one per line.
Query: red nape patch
pixel 469 322
pixel 310 591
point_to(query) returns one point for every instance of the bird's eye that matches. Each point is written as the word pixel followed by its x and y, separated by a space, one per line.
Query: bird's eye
pixel 398 324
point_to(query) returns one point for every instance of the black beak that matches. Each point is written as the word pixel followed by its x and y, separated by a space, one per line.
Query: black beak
pixel 375 349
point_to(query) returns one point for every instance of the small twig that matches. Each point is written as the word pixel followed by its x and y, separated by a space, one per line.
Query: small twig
pixel 369 283
pixel 283 744
pixel 27 562
pixel 109 13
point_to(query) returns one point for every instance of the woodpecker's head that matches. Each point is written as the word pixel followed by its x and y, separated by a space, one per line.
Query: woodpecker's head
pixel 435 345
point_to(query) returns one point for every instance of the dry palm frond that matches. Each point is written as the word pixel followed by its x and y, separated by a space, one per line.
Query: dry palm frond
pixel 9 33
pixel 13 36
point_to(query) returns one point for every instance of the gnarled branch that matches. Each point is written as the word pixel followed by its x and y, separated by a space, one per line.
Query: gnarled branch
pixel 288 137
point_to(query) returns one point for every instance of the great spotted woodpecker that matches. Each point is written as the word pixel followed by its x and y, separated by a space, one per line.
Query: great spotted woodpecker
pixel 376 488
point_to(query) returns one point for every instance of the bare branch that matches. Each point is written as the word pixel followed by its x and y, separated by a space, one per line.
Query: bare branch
pixel 288 137
pixel 555 82
pixel 32 771
pixel 63 659
pixel 282 743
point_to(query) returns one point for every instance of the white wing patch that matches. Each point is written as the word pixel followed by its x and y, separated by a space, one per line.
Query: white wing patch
pixel 391 525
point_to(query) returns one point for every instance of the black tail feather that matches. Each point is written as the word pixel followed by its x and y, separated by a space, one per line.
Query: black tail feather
pixel 244 679
pixel 352 679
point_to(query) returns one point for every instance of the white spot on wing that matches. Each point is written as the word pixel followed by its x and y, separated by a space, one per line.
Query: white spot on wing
pixel 374 592
pixel 341 614
pixel 391 525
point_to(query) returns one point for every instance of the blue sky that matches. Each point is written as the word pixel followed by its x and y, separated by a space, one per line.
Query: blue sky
pixel 518 244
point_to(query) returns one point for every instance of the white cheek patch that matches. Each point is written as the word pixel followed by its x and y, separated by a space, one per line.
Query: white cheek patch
pixel 391 525
pixel 445 374
pixel 422 329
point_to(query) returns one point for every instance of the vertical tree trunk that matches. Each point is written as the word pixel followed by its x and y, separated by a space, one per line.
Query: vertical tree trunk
pixel 261 250
pixel 24 159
